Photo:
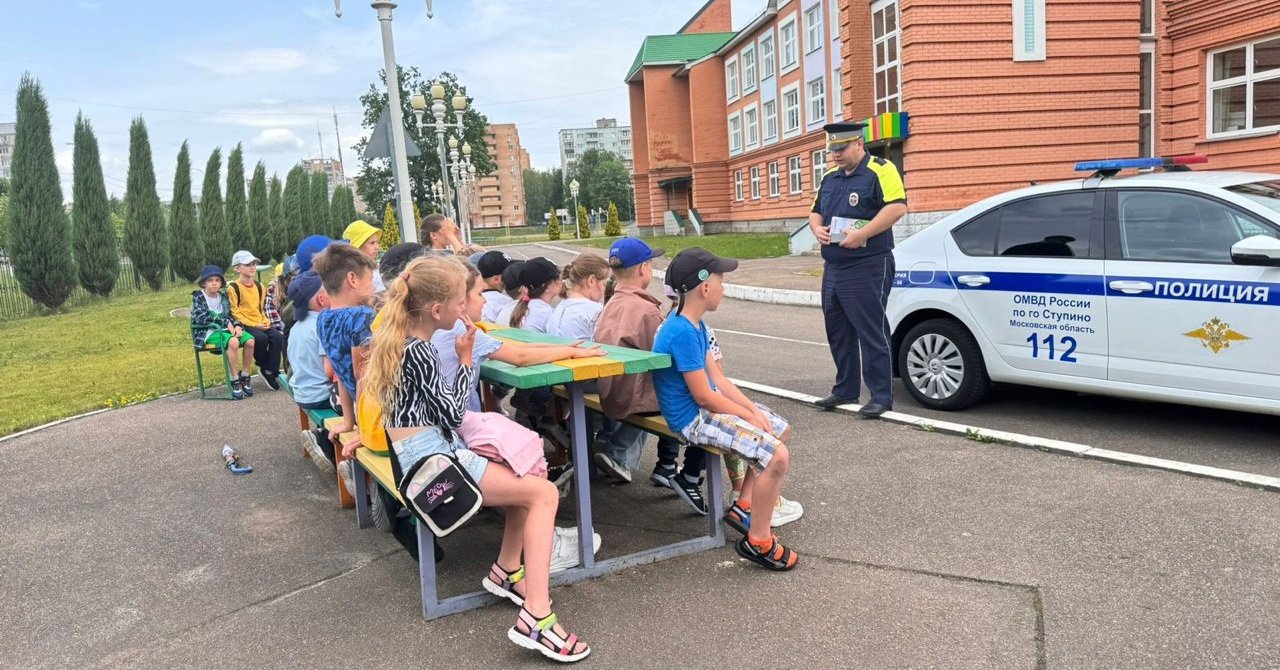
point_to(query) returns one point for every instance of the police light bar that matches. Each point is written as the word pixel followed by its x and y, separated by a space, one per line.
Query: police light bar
pixel 1140 163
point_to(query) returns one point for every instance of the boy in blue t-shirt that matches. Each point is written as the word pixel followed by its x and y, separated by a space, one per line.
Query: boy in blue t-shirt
pixel 701 404
pixel 347 275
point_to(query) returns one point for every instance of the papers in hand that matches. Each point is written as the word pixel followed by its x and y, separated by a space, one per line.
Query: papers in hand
pixel 840 226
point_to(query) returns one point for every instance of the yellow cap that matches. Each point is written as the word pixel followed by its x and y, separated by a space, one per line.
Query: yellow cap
pixel 359 232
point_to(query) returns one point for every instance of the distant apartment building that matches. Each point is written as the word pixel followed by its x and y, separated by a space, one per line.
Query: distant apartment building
pixel 7 132
pixel 606 135
pixel 500 195
pixel 330 167
pixel 969 98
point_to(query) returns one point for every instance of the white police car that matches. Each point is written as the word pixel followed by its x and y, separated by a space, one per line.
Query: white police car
pixel 1159 286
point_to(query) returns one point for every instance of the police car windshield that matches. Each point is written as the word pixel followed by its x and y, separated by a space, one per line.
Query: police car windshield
pixel 1266 193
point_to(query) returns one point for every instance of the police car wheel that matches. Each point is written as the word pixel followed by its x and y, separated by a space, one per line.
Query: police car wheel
pixel 942 366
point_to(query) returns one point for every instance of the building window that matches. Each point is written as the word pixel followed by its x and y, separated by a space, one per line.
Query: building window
pixel 731 78
pixel 817 100
pixel 748 60
pixel 768 63
pixel 794 172
pixel 755 182
pixel 791 110
pixel 774 186
pixel 737 185
pixel 1028 30
pixel 770 114
pixel 735 133
pixel 1244 88
pixel 1148 21
pixel 1146 111
pixel 813 28
pixel 790 49
pixel 751 119
pixel 885 55
pixel 819 159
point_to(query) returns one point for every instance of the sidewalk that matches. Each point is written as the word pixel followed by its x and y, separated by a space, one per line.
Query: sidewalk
pixel 127 545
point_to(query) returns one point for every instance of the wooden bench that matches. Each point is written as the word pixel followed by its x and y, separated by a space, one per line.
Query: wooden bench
pixel 309 419
pixel 652 423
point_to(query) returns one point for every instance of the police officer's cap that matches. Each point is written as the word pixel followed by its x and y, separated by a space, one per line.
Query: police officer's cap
pixel 840 134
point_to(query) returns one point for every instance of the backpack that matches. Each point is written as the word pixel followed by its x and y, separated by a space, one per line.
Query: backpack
pixel 261 294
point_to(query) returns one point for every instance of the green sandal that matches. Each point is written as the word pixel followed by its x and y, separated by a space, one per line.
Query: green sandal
pixel 501 583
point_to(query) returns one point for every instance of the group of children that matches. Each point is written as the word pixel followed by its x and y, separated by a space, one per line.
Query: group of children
pixel 423 356
pixel 241 321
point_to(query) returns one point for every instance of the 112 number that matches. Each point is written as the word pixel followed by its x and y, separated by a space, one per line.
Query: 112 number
pixel 1049 341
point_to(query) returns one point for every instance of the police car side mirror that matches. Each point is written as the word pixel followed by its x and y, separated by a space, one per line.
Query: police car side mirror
pixel 1256 250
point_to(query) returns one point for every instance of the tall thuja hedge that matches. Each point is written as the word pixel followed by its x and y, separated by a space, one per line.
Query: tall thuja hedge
pixel 319 220
pixel 213 222
pixel 235 208
pixel 39 235
pixel 297 188
pixel 263 244
pixel 276 222
pixel 186 248
pixel 94 236
pixel 342 208
pixel 145 239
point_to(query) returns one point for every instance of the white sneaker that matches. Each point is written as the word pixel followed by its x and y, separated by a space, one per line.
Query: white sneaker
pixel 564 549
pixel 612 467
pixel 318 459
pixel 785 512
pixel 348 477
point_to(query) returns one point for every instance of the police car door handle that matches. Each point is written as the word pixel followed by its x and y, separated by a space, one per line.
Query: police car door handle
pixel 974 280
pixel 1131 287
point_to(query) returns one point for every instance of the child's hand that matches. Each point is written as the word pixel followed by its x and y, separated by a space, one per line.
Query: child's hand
pixel 344 427
pixel 349 449
pixel 465 342
pixel 585 352
pixel 759 420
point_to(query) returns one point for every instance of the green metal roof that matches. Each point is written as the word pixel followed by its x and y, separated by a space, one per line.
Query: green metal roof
pixel 676 49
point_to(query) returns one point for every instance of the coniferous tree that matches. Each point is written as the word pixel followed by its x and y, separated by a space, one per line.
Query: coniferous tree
pixel 553 227
pixel 237 212
pixel 319 220
pixel 94 239
pixel 275 219
pixel 612 226
pixel 343 209
pixel 39 234
pixel 259 225
pixel 297 187
pixel 213 222
pixel 145 239
pixel 186 248
pixel 390 227
pixel 584 223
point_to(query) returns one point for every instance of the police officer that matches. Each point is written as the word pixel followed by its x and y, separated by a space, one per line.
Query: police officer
pixel 858 202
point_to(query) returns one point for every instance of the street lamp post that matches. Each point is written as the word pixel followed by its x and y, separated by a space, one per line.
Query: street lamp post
pixel 573 189
pixel 438 109
pixel 409 228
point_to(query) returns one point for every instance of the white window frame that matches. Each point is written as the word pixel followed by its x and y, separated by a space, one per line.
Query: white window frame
pixel 731 79
pixel 1028 30
pixel 755 182
pixel 737 185
pixel 793 87
pixel 769 133
pixel 816 103
pixel 775 180
pixel 1248 80
pixel 795 175
pixel 735 119
pixel 818 161
pixel 891 66
pixel 814 35
pixel 751 126
pixel 749 80
pixel 768 60
pixel 783 66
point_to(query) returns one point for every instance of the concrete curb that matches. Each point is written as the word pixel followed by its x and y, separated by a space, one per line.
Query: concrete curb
pixel 987 435
pixel 765 294
pixel 51 424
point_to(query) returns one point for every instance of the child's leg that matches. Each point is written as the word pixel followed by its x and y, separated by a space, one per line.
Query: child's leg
pixel 233 348
pixel 248 355
pixel 764 492
pixel 537 499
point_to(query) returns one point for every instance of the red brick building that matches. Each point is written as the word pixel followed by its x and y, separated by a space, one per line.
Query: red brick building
pixel 968 97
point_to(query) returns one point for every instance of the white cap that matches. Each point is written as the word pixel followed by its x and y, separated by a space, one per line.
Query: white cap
pixel 244 257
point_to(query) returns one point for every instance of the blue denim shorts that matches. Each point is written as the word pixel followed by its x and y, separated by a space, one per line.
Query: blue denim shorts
pixel 430 441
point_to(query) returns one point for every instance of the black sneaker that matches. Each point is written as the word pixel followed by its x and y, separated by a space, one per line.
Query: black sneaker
pixel 237 391
pixel 246 385
pixel 662 475
pixel 269 376
pixel 690 492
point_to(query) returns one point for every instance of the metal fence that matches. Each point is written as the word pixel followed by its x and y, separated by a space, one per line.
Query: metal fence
pixel 14 304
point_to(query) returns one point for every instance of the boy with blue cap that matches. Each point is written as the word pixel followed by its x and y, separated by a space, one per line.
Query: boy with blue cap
pixel 631 318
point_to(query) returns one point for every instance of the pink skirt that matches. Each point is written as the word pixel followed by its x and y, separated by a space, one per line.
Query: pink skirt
pixel 500 439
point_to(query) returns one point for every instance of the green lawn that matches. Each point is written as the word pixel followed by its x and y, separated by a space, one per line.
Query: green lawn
pixel 742 246
pixel 101 354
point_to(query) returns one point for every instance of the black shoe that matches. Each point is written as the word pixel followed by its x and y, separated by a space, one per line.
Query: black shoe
pixel 873 410
pixel 270 377
pixel 690 492
pixel 830 402
pixel 662 475
pixel 246 385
